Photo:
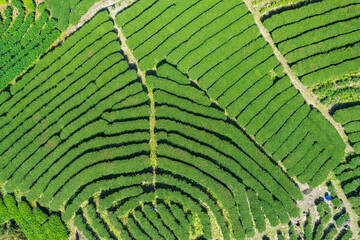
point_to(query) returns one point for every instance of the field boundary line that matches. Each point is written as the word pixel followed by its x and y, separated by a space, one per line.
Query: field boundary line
pixel 132 60
pixel 309 97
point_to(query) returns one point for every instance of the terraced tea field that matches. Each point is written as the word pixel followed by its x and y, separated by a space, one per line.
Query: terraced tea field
pixel 159 119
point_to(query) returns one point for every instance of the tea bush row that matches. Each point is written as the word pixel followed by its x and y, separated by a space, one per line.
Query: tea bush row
pixel 319 40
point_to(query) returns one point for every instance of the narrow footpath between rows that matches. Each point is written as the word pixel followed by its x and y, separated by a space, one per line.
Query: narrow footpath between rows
pixel 311 99
pixel 309 96
pixel 141 74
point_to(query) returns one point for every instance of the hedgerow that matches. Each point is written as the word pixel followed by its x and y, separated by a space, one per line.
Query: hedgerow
pixel 145 223
pixel 257 213
pixel 340 220
pixel 180 217
pixel 340 90
pixel 169 220
pixel 96 222
pixel 29 4
pixel 181 194
pixel 156 221
pixel 102 185
pixel 4 212
pixel 292 233
pixel 264 6
pixel 136 231
pixel 270 213
pixel 164 123
pixel 308 227
pixel 16 215
pixel 120 226
pixel 7 21
pixel 83 228
pixel 29 217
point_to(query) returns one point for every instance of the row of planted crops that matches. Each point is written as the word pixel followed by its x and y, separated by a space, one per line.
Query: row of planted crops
pixel 231 131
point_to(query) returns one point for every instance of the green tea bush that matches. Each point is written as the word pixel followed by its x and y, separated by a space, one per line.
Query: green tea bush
pixel 25 40
pixel 187 143
pixel 83 228
pixel 157 222
pixel 319 40
pixel 145 223
pixel 96 223
pixel 257 213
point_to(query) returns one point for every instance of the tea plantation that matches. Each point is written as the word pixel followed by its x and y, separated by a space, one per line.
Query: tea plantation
pixel 159 119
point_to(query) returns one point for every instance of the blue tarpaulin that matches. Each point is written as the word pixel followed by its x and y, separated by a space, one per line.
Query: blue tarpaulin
pixel 327 197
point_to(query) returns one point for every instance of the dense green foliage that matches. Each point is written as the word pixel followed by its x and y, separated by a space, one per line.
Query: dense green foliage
pixel 237 76
pixel 24 40
pixel 349 117
pixel 338 91
pixel 240 163
pixel 319 40
pixel 69 12
pixel 349 175
pixel 171 119
pixel 28 220
pixel 265 6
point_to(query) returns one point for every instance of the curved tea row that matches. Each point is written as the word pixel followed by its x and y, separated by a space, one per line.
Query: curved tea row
pixel 23 39
pixel 218 46
pixel 319 40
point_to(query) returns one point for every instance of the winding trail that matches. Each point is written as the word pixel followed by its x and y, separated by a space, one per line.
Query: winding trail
pixel 132 60
pixel 309 96
pixel 311 99
pixel 87 16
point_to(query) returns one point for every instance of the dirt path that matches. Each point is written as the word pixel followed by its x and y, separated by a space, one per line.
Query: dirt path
pixel 128 53
pixel 87 16
pixel 353 217
pixel 309 97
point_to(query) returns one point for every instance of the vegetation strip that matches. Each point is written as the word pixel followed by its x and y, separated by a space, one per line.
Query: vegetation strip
pixel 354 218
pixel 319 40
pixel 240 77
pixel 309 97
pixel 179 120
pixel 87 17
pixel 132 59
